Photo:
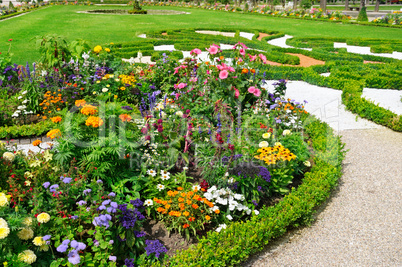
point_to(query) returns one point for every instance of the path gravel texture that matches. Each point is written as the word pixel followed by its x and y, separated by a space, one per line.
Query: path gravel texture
pixel 361 223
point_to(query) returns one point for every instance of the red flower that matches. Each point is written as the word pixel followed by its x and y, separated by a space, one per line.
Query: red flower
pixel 231 147
pixel 10 40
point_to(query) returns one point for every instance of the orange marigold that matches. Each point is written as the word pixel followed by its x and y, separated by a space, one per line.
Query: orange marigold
pixel 53 133
pixel 186 225
pixel 125 117
pixel 160 209
pixel 186 213
pixel 207 217
pixel 180 188
pixel 56 119
pixel 195 206
pixel 94 121
pixel 80 103
pixel 89 110
pixel 36 142
pixel 191 219
pixel 181 199
pixel 217 211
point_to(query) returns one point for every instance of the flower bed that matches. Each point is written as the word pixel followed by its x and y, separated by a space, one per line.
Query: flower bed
pixel 127 137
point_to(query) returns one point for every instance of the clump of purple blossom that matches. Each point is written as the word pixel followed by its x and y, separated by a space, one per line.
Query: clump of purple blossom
pixel 265 174
pixel 155 246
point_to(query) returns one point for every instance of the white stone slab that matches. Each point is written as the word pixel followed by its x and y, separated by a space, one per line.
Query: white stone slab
pixel 386 98
pixel 247 35
pixel 227 34
pixel 365 50
pixel 164 48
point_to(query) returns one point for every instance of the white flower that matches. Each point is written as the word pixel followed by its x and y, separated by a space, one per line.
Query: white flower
pixel 163 114
pixel 256 212
pixel 185 168
pixel 160 187
pixel 151 172
pixel 20 97
pixel 25 101
pixel 263 144
pixel 179 113
pixel 85 56
pixel 229 217
pixel 226 174
pixel 286 132
pixel 105 89
pixel 163 171
pixel 24 92
pixel 148 202
pixel 208 196
pixel 248 211
pixel 131 60
pixel 239 196
pixel 231 180
pixel 196 188
pixel 266 135
pixel 222 201
pixel 232 206
pixel 165 177
pixel 220 227
pixel 307 163
pixel 15 115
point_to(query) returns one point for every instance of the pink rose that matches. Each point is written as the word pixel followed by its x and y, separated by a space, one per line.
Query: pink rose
pixel 242 52
pixel 254 91
pixel 195 51
pixel 182 85
pixel 237 93
pixel 223 74
pixel 213 49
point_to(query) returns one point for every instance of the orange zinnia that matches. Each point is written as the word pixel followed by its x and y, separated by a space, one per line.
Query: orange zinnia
pixel 56 119
pixel 207 217
pixel 36 142
pixel 186 225
pixel 80 103
pixel 125 117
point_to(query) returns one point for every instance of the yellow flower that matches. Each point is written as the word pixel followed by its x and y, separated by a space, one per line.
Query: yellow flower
pixel 4 230
pixel 80 103
pixel 89 110
pixel 55 133
pixel 122 88
pixel 97 49
pixel 27 256
pixel 43 217
pixel 38 241
pixel 94 121
pixel 27 221
pixel 8 156
pixel 3 200
pixel 56 119
pixel 25 234
pixel 36 142
pixel 286 132
pixel 266 135
pixel 107 50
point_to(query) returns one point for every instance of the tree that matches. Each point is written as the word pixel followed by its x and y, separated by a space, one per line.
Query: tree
pixel 377 6
pixel 346 5
pixel 323 5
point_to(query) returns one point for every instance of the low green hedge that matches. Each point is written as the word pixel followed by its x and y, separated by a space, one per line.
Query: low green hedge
pixel 27 130
pixel 242 239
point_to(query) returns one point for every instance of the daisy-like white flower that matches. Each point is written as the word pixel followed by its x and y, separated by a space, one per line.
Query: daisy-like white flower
pixel 165 176
pixel 151 172
pixel 148 202
pixel 221 226
pixel 231 180
pixel 307 163
pixel 160 187
pixel 229 217
pixel 185 168
pixel 163 171
pixel 256 212
pixel 196 188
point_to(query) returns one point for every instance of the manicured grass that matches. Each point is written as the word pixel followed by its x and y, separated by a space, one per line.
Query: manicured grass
pixel 100 29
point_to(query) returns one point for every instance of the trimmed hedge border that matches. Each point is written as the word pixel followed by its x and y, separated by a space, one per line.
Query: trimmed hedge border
pixel 16 131
pixel 241 239
pixel 22 12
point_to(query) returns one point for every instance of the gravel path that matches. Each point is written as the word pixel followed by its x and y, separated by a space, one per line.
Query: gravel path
pixel 360 225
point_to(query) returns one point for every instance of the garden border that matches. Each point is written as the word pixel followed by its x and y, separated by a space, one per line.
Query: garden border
pixel 241 239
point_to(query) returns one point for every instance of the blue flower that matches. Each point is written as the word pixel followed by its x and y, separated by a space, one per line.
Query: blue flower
pixel 87 191
pixel 54 187
pixel 62 248
pixel 66 180
pixel 81 202
pixel 112 258
pixel 111 194
pixel 73 257
pixel 46 184
pixel 99 181
pixel 155 246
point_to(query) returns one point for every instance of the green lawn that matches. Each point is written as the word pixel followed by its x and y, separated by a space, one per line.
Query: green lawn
pixel 100 29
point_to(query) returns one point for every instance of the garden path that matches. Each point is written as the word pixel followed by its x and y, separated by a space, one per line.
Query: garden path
pixel 360 224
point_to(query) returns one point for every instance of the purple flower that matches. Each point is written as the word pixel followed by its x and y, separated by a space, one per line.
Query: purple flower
pixel 106 202
pixel 111 242
pixel 74 217
pixel 46 184
pixel 129 262
pixel 127 108
pixel 74 244
pixel 99 181
pixel 114 205
pixel 96 242
pixel 66 180
pixel 112 258
pixel 102 220
pixel 278 121
pixel 139 234
pixel 111 194
pixel 66 242
pixel 259 188
pixel 81 202
pixel 154 246
pixel 54 187
pixel 137 203
pixel 73 257
pixel 62 248
pixel 81 246
pixel 87 191
pixel 265 174
pixel 102 207
pixel 255 203
pixel 129 217
pixel 46 237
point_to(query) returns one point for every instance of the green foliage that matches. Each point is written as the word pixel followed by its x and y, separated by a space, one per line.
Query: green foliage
pixel 27 130
pixel 362 15
pixel 305 4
